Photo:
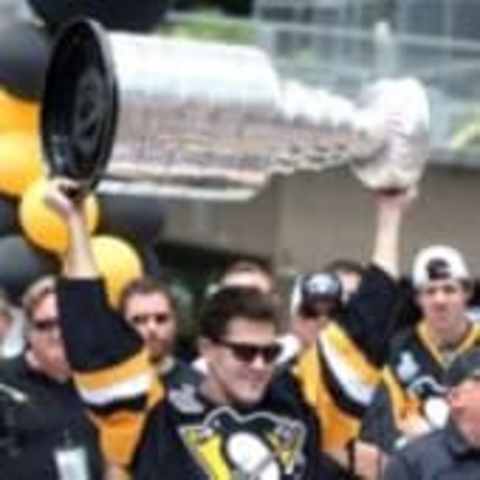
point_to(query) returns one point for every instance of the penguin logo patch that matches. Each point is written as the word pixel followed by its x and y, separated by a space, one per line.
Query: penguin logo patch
pixel 260 446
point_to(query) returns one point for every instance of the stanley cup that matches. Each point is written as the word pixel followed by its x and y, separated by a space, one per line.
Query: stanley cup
pixel 209 121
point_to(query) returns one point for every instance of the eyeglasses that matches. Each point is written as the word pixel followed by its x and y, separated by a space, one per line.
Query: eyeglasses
pixel 158 317
pixel 45 325
pixel 247 352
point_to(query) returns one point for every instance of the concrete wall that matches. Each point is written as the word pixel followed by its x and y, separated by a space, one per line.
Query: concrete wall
pixel 306 220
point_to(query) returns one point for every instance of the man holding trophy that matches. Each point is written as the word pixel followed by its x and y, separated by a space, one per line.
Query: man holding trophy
pixel 245 420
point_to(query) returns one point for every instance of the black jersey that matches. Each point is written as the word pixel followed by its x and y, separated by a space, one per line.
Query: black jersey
pixel 176 433
pixel 413 385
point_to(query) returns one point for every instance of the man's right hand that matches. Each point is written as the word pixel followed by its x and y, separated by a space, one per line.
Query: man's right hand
pixel 64 197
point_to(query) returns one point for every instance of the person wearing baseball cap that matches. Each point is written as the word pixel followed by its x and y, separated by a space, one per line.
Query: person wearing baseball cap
pixel 316 299
pixel 410 399
pixel 453 451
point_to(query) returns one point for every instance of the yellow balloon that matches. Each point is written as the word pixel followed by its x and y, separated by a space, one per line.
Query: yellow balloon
pixel 43 226
pixel 118 263
pixel 20 161
pixel 18 114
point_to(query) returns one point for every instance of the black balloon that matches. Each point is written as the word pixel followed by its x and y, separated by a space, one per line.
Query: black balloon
pixel 21 264
pixel 139 219
pixel 8 217
pixel 133 15
pixel 24 55
pixel 151 262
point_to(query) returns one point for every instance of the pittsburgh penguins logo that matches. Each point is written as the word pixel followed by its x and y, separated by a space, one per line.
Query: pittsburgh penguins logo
pixel 260 446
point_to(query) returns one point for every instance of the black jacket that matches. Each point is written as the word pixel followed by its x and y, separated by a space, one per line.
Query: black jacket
pixel 442 455
pixel 39 417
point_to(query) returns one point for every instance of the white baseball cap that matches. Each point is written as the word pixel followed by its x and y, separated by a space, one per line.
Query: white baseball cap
pixel 438 262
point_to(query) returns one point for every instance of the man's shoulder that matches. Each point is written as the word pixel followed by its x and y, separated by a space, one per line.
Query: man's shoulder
pixel 404 337
pixel 12 367
pixel 427 448
pixel 405 340
pixel 182 373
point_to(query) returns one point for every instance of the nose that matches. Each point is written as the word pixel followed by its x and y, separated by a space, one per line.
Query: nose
pixel 151 324
pixel 57 334
pixel 439 296
pixel 259 363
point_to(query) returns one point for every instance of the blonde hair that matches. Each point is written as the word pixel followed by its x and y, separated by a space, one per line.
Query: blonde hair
pixel 36 292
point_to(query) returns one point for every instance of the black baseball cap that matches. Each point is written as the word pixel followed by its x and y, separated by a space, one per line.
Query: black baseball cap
pixel 466 366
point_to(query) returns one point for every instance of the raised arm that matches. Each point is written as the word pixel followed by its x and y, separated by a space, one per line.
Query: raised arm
pixel 391 207
pixel 341 375
pixel 111 367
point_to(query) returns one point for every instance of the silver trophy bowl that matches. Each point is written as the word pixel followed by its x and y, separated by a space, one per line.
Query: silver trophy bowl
pixel 203 120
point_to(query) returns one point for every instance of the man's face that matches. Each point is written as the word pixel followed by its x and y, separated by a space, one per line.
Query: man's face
pixel 443 303
pixel 307 327
pixel 152 317
pixel 241 364
pixel 45 338
pixel 464 401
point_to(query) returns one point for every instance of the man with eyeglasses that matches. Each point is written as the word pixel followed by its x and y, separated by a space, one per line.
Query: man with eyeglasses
pixel 453 452
pixel 150 308
pixel 243 421
pixel 44 432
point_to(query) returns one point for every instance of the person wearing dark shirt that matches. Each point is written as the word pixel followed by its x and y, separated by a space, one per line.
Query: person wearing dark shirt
pixel 44 432
pixel 242 419
pixel 453 452
pixel 409 401
pixel 149 307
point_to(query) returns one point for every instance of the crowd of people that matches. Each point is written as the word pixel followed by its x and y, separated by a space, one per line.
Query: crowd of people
pixel 342 384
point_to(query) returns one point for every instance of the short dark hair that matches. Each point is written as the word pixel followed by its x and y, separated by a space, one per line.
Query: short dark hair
pixel 244 265
pixel 146 286
pixel 234 302
pixel 248 266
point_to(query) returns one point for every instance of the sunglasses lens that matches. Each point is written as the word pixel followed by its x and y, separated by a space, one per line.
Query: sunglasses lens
pixel 45 326
pixel 244 353
pixel 143 318
pixel 270 354
pixel 248 353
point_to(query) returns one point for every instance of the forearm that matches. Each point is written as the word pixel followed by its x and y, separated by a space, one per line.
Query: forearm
pixel 79 261
pixel 387 240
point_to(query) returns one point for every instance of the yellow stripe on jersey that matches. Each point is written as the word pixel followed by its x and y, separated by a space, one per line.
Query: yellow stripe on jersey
pixel 472 338
pixel 353 373
pixel 403 404
pixel 120 432
pixel 337 426
pixel 123 372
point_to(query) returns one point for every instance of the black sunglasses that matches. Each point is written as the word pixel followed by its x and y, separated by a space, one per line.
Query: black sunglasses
pixel 143 318
pixel 247 352
pixel 45 325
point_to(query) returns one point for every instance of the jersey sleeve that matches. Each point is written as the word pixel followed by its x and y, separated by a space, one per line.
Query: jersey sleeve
pixel 111 369
pixel 341 372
